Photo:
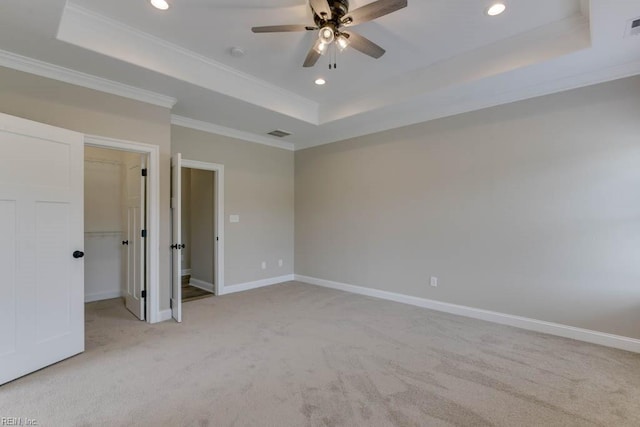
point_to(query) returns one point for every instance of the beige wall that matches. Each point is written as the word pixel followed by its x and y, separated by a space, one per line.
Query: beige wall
pixel 92 112
pixel 259 188
pixel 202 221
pixel 530 209
pixel 185 232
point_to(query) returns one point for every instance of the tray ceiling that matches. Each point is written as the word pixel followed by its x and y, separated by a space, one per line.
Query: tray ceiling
pixel 442 58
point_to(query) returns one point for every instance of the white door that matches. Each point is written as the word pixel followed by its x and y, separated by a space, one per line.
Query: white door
pixel 176 246
pixel 135 247
pixel 41 235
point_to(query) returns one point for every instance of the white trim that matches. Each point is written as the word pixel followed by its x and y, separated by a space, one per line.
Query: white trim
pixel 417 114
pixel 55 72
pixel 153 314
pixel 164 315
pixel 218 262
pixel 231 133
pixel 594 337
pixel 101 34
pixel 241 287
pixel 186 272
pixel 99 296
pixel 201 284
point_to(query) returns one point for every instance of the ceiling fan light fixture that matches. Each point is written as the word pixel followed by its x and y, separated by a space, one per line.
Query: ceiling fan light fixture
pixel 342 42
pixel 320 47
pixel 496 9
pixel 326 35
pixel 160 4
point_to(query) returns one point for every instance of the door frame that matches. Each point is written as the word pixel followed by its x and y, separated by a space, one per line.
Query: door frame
pixel 152 314
pixel 218 231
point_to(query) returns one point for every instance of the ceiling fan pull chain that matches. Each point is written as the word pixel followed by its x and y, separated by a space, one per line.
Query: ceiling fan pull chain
pixel 335 57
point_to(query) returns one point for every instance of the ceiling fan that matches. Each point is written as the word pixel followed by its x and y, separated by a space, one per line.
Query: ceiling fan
pixel 331 17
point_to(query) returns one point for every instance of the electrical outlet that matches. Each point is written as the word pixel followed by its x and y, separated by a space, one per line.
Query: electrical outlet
pixel 280 263
pixel 434 281
pixel 264 265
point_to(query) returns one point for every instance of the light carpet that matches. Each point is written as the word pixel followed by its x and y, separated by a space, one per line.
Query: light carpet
pixel 299 355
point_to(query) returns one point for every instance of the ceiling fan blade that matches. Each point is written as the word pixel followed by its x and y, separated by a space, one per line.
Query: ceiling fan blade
pixel 312 58
pixel 282 28
pixel 365 45
pixel 321 8
pixel 372 11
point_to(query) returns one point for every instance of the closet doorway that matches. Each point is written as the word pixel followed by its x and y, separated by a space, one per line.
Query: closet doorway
pixel 198 233
pixel 115 213
pixel 197 206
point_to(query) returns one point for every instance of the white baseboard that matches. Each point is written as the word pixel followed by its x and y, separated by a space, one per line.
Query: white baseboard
pixel 164 315
pixel 186 272
pixel 594 337
pixel 201 284
pixel 99 296
pixel 257 284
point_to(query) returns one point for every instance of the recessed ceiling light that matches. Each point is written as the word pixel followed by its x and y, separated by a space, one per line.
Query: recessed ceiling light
pixel 496 9
pixel 160 4
pixel 320 81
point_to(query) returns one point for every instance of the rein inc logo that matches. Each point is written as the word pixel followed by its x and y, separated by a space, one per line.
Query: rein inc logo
pixel 18 421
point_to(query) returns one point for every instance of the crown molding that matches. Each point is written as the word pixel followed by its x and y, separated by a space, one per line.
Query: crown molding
pixel 231 133
pixel 415 111
pixel 55 72
pixel 101 34
pixel 537 46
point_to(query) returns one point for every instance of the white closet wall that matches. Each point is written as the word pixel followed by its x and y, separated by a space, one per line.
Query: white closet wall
pixel 104 225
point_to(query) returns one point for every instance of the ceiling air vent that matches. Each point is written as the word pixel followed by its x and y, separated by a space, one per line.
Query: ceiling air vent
pixel 633 29
pixel 279 133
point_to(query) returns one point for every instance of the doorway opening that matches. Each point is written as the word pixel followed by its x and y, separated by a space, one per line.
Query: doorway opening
pixel 115 218
pixel 197 205
pixel 134 266
pixel 198 233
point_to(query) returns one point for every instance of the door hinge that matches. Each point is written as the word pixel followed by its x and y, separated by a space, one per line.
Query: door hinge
pixel 171 303
pixel 144 172
pixel 143 294
pixel 144 233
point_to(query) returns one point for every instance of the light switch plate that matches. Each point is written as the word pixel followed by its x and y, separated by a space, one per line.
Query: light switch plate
pixel 234 218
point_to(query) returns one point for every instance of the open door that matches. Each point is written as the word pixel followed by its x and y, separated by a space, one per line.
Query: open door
pixel 41 230
pixel 176 246
pixel 135 247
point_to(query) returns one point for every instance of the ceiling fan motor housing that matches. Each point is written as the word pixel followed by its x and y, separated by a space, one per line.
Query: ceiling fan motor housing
pixel 339 8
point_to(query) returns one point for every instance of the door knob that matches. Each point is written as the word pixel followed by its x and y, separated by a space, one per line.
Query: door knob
pixel 125 242
pixel 78 254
